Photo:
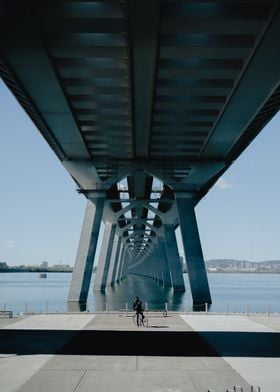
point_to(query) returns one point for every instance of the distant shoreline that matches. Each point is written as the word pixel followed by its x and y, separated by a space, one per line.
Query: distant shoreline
pixel 12 270
pixel 243 272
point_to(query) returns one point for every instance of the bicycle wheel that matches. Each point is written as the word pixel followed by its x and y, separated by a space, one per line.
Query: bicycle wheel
pixel 144 321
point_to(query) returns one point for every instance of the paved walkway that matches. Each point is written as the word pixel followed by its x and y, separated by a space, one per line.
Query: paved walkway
pixel 107 352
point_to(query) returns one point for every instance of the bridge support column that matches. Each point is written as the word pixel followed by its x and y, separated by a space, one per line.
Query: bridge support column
pixel 118 254
pixel 120 261
pixel 173 258
pixel 114 261
pixel 192 248
pixel 123 263
pixel 86 251
pixel 164 262
pixel 104 257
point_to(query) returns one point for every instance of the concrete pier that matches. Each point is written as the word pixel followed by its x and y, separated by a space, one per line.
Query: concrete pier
pixel 86 251
pixel 105 257
pixel 166 277
pixel 192 248
pixel 173 258
pixel 114 261
pixel 107 352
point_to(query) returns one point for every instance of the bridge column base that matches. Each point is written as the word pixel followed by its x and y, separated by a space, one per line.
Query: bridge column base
pixel 166 278
pixel 173 258
pixel 86 251
pixel 192 248
pixel 75 306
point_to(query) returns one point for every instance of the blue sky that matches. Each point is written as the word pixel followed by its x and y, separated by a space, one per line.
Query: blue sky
pixel 41 213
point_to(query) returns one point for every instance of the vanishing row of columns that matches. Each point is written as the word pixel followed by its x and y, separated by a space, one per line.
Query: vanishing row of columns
pixel 161 264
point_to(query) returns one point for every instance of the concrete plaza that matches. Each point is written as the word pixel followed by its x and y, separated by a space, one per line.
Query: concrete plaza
pixel 107 352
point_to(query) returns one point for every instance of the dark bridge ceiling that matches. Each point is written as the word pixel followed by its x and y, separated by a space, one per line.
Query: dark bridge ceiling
pixel 172 83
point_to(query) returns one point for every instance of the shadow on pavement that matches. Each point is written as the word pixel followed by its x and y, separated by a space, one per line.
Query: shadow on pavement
pixel 149 343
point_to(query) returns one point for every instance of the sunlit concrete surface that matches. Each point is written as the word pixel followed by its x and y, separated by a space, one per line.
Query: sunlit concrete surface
pixel 257 341
pixel 54 321
pixel 107 352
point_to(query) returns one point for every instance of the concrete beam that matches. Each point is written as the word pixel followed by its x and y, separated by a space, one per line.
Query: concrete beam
pixel 144 57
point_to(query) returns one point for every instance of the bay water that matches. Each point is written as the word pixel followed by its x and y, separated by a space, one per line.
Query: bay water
pixel 233 292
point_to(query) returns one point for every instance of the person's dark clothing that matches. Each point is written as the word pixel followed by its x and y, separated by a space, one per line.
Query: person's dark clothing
pixel 135 302
pixel 137 306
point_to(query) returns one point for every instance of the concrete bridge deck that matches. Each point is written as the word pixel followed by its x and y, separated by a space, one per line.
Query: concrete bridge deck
pixel 107 352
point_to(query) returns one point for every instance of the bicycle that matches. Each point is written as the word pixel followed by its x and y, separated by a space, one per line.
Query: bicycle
pixel 142 320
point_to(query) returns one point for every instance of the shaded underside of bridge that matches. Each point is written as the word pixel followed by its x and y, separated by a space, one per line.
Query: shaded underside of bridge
pixel 146 104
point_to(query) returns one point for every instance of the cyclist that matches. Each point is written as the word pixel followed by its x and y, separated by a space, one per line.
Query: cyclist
pixel 137 306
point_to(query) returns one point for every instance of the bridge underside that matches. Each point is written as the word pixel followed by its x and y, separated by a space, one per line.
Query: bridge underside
pixel 146 104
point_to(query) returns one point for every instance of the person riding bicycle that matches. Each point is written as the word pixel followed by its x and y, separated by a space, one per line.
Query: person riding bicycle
pixel 137 306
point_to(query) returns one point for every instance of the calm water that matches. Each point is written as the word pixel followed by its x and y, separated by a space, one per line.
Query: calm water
pixel 25 291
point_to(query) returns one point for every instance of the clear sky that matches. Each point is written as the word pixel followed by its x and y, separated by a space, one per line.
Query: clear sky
pixel 41 213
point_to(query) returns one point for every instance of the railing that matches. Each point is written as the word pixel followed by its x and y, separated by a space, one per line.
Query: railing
pixel 161 309
pixel 237 388
pixel 6 313
pixel 62 307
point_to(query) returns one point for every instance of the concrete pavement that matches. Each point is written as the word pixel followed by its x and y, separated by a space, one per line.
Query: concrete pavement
pixel 107 352
pixel 250 345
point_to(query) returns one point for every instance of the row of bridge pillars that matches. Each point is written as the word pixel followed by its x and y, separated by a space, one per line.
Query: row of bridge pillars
pixel 161 263
pixel 112 259
pixel 164 265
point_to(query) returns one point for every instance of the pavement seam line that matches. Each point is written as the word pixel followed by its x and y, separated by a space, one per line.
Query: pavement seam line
pixel 79 382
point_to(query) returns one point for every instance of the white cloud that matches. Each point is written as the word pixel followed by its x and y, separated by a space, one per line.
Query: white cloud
pixel 10 244
pixel 223 184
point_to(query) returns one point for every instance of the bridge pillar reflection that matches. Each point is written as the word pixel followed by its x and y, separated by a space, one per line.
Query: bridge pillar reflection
pixel 192 248
pixel 82 272
pixel 157 265
pixel 173 258
pixel 166 278
pixel 104 257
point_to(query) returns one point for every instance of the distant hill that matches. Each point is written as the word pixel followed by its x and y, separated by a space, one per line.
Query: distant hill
pixel 232 264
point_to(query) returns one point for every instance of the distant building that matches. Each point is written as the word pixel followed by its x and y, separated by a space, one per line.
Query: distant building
pixel 212 269
pixel 44 264
pixel 61 267
pixel 231 265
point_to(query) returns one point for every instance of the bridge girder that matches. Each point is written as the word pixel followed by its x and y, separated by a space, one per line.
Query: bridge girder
pixel 144 92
